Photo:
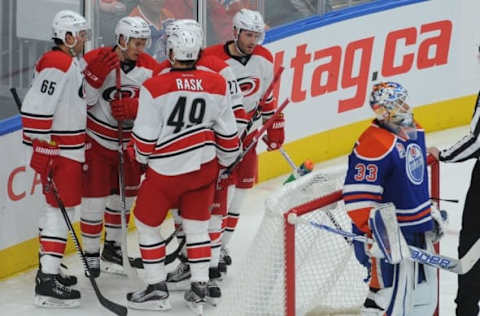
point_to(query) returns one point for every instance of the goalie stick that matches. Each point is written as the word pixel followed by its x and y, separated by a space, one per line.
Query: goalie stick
pixel 458 266
pixel 110 305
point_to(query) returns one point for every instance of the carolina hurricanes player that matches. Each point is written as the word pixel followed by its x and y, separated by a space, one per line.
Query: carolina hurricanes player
pixel 180 278
pixel 54 118
pixel 253 67
pixel 185 130
pixel 101 192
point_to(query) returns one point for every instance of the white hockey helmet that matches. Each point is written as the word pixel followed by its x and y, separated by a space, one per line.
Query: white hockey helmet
pixel 183 24
pixel 185 45
pixel 249 20
pixel 67 21
pixel 132 27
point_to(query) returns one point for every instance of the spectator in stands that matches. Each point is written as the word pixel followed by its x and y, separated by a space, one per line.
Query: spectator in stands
pixel 155 13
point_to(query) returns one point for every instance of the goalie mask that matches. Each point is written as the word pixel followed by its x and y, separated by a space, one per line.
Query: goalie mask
pixel 249 20
pixel 132 27
pixel 388 102
pixel 67 21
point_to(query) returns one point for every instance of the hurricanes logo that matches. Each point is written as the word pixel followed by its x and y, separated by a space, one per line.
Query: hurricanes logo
pixel 249 85
pixel 415 164
pixel 127 91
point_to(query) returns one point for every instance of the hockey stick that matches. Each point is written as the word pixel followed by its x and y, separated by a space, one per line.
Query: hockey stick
pixel 131 273
pixel 110 305
pixel 458 266
pixel 268 123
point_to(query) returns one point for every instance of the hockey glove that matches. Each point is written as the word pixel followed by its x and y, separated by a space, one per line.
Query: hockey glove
pixel 98 69
pixel 124 109
pixel 223 179
pixel 276 133
pixel 247 140
pixel 43 156
pixel 440 223
pixel 131 156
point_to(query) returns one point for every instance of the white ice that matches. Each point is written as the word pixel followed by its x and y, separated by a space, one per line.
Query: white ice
pixel 16 293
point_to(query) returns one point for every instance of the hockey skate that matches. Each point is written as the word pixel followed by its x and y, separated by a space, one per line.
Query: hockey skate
pixel 196 297
pixel 179 279
pixel 64 278
pixel 93 262
pixel 154 297
pixel 112 261
pixel 225 260
pixel 50 293
pixel 214 293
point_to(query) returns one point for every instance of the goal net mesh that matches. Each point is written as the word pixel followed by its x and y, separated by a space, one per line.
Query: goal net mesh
pixel 328 279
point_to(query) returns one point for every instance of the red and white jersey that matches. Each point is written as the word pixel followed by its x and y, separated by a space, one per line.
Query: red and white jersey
pixel 185 119
pixel 254 74
pixel 101 125
pixel 215 64
pixel 54 108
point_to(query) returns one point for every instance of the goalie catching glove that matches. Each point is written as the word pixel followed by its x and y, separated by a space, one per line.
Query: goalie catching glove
pixel 98 69
pixel 124 109
pixel 389 242
pixel 276 133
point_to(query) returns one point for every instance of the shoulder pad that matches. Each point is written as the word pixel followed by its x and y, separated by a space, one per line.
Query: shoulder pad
pixel 54 59
pixel 263 52
pixel 375 143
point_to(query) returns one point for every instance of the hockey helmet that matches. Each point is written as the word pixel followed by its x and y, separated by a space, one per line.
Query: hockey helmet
pixel 185 45
pixel 67 21
pixel 132 27
pixel 249 20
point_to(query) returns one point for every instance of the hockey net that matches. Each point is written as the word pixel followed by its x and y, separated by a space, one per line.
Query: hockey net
pixel 300 269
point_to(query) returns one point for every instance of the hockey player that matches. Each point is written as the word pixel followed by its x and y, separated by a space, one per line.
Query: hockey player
pixel 101 191
pixel 54 118
pixel 184 130
pixel 180 278
pixel 388 164
pixel 252 65
pixel 468 293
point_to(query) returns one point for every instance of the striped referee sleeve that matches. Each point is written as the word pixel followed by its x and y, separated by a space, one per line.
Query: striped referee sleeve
pixel 469 146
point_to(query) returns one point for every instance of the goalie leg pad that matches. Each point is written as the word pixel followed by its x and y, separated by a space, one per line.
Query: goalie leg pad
pixel 152 249
pixel 396 299
pixel 387 234
pixel 425 292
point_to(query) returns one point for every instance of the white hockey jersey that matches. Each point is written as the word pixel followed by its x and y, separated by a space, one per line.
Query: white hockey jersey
pixel 254 74
pixel 215 64
pixel 54 108
pixel 101 125
pixel 185 119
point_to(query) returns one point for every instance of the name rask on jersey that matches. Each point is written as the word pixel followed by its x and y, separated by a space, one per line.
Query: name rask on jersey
pixel 189 84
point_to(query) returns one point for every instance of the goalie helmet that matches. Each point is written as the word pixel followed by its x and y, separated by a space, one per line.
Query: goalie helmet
pixel 249 20
pixel 388 102
pixel 185 45
pixel 67 21
pixel 132 27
